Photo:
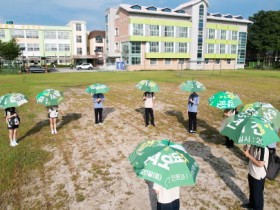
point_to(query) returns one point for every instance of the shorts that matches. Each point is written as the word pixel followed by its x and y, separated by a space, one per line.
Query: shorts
pixel 12 127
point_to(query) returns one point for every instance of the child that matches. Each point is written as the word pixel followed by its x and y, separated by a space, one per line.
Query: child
pixel 53 114
pixel 13 121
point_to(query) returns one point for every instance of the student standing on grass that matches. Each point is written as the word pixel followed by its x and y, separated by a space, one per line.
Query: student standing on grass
pixel 228 113
pixel 258 160
pixel 149 100
pixel 98 100
pixel 193 102
pixel 12 120
pixel 167 199
pixel 53 115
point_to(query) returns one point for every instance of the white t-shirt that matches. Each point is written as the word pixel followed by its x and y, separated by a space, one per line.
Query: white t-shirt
pixel 255 171
pixel 53 112
pixel 149 102
pixel 166 196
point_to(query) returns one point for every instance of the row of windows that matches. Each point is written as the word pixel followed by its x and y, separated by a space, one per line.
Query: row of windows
pixel 168 61
pixel 222 34
pixel 156 30
pixel 221 49
pixel 48 47
pixel 168 47
pixel 34 34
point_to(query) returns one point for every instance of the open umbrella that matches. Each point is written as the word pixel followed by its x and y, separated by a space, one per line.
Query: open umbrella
pixel 265 110
pixel 224 100
pixel 49 97
pixel 165 163
pixel 249 129
pixel 147 86
pixel 97 88
pixel 12 100
pixel 192 86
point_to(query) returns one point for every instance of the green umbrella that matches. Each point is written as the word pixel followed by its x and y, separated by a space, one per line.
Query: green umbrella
pixel 12 100
pixel 224 100
pixel 249 129
pixel 97 88
pixel 49 97
pixel 192 86
pixel 265 110
pixel 147 86
pixel 165 163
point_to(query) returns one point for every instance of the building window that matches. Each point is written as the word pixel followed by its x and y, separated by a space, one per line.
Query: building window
pixel 117 46
pixel 78 27
pixel 135 60
pixel 154 30
pixel 32 34
pixel 98 39
pixel 79 39
pixel 183 32
pixel 116 31
pixel 167 61
pixel 211 33
pixel 183 47
pixel 222 48
pixel 233 49
pixel 206 61
pixel 17 33
pixel 217 61
pixel 241 54
pixel 223 34
pixel 50 35
pixel 234 35
pixel 210 48
pixel 200 32
pixel 151 8
pixel 153 61
pixel 228 61
pixel 63 35
pixel 181 60
pixel 168 47
pixel 135 47
pixel 137 30
pixel 136 7
pixel 79 51
pixel 64 47
pixel 154 47
pixel 2 34
pixel 50 47
pixel 169 31
pixel 33 47
pixel 166 10
pixel 98 49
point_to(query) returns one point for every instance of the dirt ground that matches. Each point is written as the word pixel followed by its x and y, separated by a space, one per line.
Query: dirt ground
pixel 89 167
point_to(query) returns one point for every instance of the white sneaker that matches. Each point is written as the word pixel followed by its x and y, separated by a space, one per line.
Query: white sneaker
pixel 52 131
pixel 12 144
pixel 15 142
pixel 55 131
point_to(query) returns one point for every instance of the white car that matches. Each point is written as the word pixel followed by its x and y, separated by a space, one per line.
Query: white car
pixel 84 66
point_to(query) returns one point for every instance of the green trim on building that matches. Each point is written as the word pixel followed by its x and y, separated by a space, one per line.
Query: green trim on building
pixel 167 55
pixel 222 27
pixel 220 41
pixel 221 56
pixel 150 21
pixel 158 39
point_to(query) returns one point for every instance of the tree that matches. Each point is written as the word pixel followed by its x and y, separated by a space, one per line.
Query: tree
pixel 264 36
pixel 9 50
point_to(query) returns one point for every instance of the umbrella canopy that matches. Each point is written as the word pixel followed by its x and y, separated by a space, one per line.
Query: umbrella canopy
pixel 249 129
pixel 49 97
pixel 224 100
pixel 265 110
pixel 12 100
pixel 165 163
pixel 192 86
pixel 147 86
pixel 97 88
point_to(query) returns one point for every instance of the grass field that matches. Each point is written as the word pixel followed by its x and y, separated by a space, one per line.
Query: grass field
pixel 18 164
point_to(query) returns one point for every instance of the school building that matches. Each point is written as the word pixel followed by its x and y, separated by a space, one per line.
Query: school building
pixel 185 37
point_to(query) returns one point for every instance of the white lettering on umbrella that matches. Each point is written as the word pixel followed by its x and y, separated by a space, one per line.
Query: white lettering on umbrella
pixel 151 174
pixel 270 114
pixel 235 123
pixel 40 100
pixel 258 129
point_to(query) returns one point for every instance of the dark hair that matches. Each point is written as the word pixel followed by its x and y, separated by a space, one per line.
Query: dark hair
pixel 146 93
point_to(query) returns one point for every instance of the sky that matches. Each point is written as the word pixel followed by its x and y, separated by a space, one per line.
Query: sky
pixel 60 12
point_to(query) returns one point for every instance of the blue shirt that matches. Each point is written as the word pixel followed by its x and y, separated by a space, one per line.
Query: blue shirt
pixel 192 107
pixel 100 103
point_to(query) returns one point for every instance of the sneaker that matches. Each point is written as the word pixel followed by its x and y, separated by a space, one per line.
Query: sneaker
pixel 55 131
pixel 247 206
pixel 52 131
pixel 147 125
pixel 153 125
pixel 190 131
pixel 15 142
pixel 12 144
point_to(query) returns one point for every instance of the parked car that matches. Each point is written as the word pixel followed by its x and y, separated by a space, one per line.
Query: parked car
pixel 36 68
pixel 84 66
